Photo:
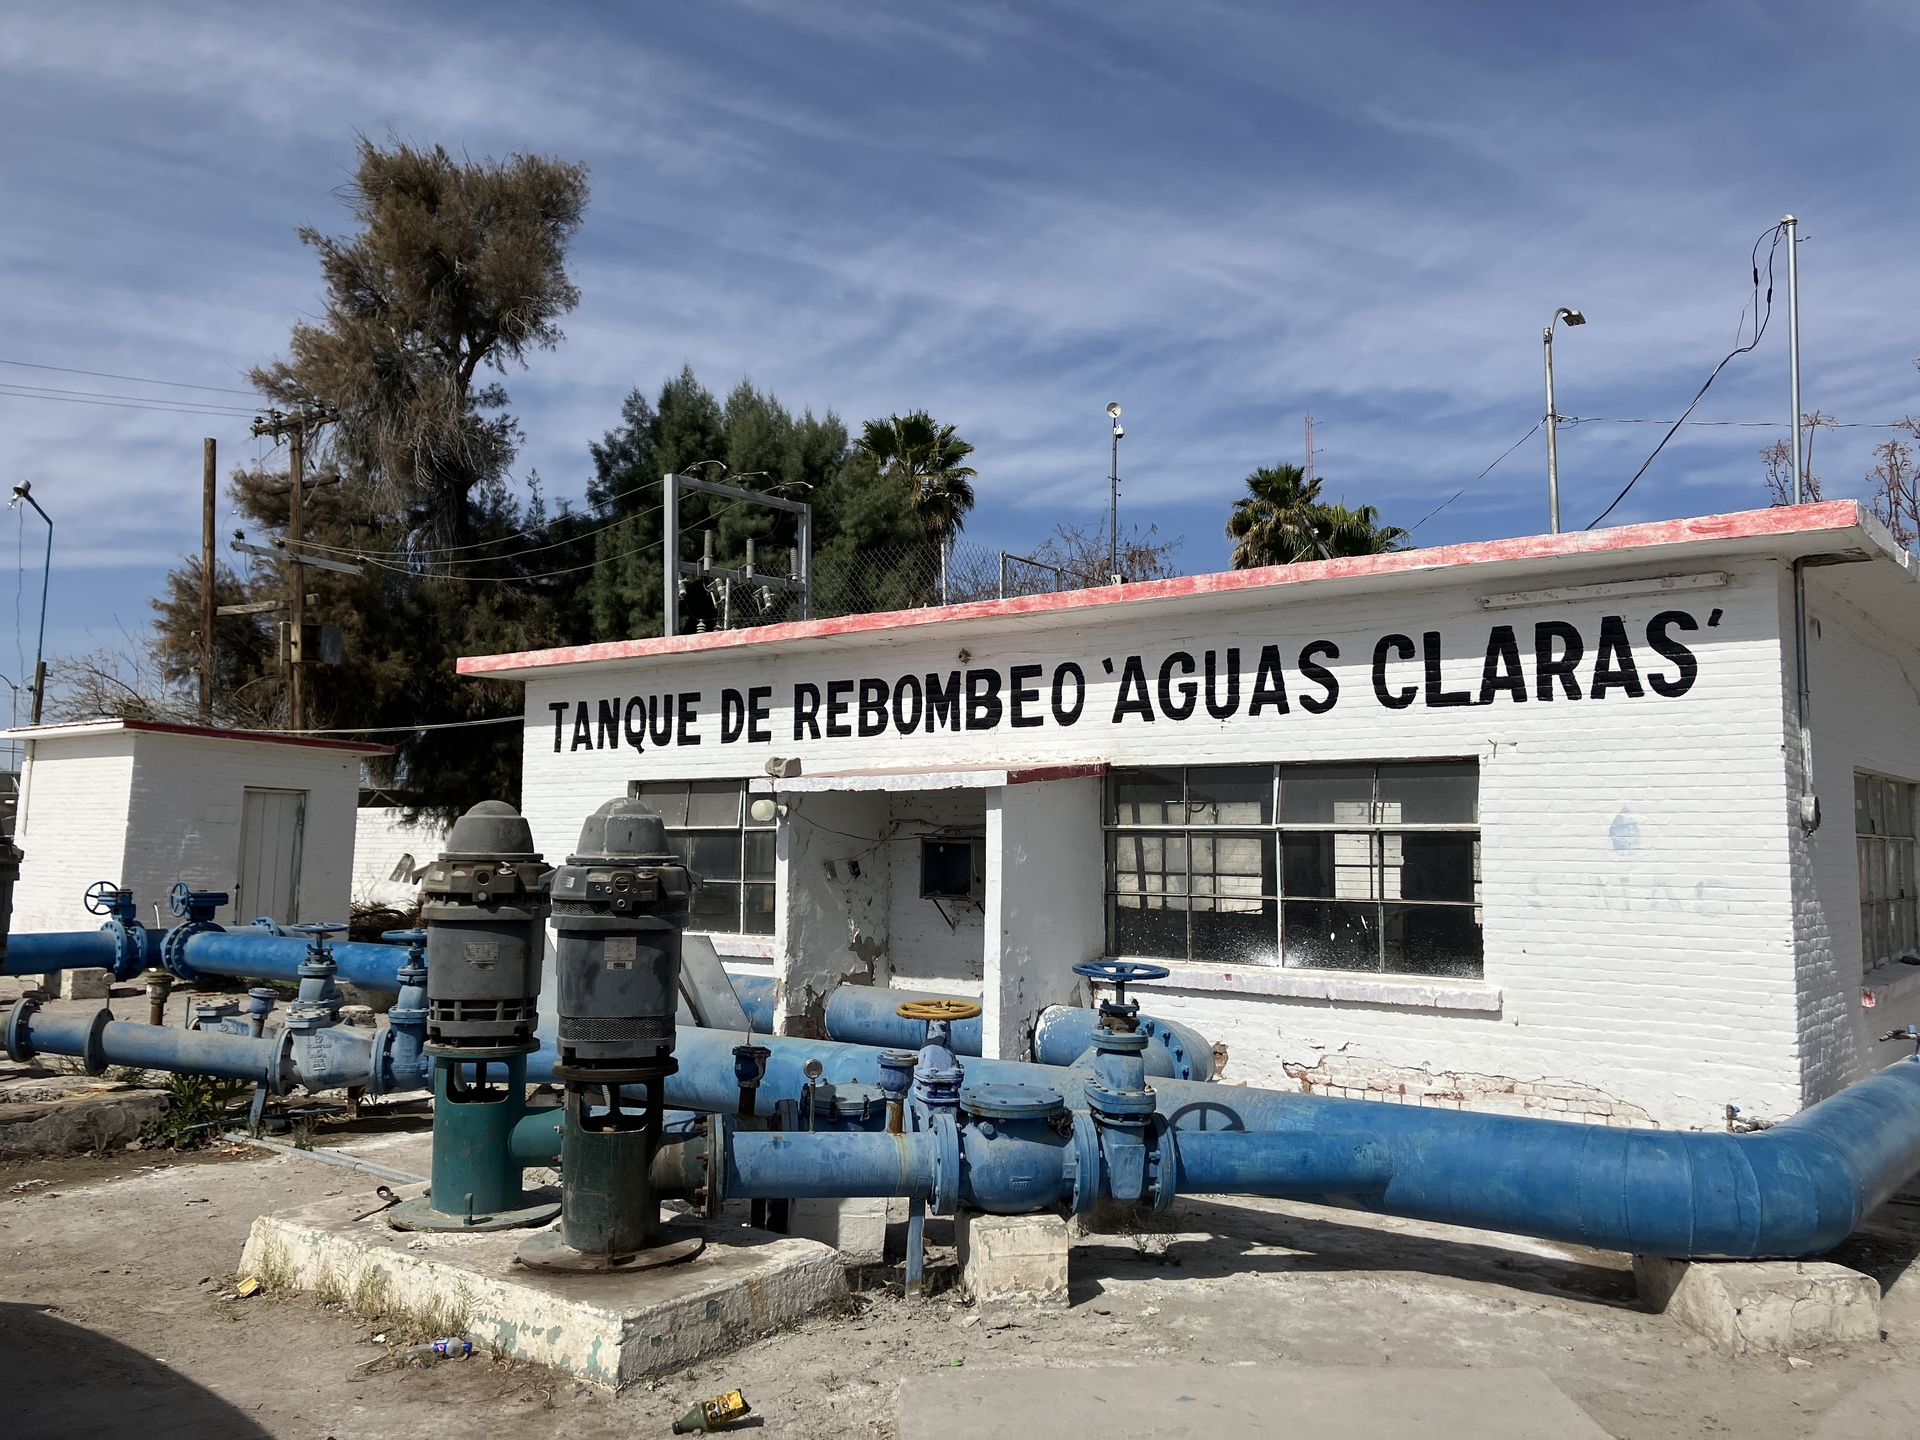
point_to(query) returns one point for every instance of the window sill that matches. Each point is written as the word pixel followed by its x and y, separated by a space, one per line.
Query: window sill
pixel 1408 992
pixel 1886 983
pixel 731 945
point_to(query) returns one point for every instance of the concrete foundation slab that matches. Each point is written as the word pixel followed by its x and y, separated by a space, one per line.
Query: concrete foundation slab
pixel 1013 1259
pixel 1763 1306
pixel 610 1330
pixel 857 1228
pixel 1233 1402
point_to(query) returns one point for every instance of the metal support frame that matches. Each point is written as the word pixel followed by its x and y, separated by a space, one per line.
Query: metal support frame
pixel 800 583
pixel 1006 555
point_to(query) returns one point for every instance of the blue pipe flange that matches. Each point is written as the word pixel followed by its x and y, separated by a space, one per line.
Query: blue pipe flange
pixel 1163 1166
pixel 173 948
pixel 1086 1168
pixel 1168 1039
pixel 94 1056
pixel 18 1033
pixel 266 923
pixel 946 1164
pixel 129 947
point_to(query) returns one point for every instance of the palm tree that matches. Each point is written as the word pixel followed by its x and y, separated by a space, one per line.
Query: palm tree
pixel 918 449
pixel 1277 522
pixel 1359 531
pixel 1282 520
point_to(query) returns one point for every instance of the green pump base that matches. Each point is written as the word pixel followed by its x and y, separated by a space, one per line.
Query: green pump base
pixel 419 1214
pixel 550 1251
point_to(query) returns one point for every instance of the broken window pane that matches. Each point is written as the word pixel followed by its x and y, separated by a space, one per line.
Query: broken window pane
pixel 1321 936
pixel 1438 940
pixel 1150 927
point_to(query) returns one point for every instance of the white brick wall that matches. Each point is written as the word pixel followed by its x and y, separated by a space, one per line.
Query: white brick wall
pixel 146 808
pixel 1637 858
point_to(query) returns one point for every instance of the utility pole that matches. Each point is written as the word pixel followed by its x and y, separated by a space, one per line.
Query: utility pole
pixel 295 429
pixel 1792 227
pixel 1309 447
pixel 207 470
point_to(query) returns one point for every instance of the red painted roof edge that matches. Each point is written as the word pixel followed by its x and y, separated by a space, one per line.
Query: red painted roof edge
pixel 1779 520
pixel 205 732
pixel 1033 774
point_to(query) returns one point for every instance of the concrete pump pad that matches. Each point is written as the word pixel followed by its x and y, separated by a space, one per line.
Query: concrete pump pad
pixel 1228 1402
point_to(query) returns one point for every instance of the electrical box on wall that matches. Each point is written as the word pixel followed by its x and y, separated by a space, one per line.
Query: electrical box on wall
pixel 952 869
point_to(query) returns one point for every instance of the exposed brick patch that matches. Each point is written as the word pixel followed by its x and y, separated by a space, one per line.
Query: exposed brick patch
pixel 1451 1090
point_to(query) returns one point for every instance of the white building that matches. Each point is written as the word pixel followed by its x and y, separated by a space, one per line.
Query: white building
pixel 1509 825
pixel 268 819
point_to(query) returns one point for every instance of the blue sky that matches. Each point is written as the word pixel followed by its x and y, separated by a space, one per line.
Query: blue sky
pixel 1221 216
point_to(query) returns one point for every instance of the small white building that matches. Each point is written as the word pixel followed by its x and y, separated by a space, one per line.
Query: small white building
pixel 269 819
pixel 1519 825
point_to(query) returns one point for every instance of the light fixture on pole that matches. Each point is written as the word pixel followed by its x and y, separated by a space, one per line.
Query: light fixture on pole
pixel 24 491
pixel 1571 317
pixel 1113 515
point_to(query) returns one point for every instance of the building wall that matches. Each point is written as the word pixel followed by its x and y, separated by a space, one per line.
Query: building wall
pixel 1865 686
pixel 382 837
pixel 72 827
pixel 933 945
pixel 833 906
pixel 1046 909
pixel 184 819
pixel 1636 862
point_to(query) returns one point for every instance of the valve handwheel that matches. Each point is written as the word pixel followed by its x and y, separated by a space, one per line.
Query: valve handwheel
pixel 178 897
pixel 319 927
pixel 1120 974
pixel 101 897
pixel 941 1009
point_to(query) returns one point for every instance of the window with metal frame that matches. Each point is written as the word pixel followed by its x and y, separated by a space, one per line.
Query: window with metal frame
pixel 714 836
pixel 1372 866
pixel 1883 837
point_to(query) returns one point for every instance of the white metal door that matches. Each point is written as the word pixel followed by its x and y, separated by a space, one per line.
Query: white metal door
pixel 272 827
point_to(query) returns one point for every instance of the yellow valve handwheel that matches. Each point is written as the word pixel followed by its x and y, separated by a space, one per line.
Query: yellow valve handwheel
pixel 937 1010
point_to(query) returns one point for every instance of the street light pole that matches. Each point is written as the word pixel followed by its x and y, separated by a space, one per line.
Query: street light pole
pixel 1113 514
pixel 1572 317
pixel 24 491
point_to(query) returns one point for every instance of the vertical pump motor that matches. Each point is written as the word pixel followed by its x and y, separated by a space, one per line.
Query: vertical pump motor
pixel 619 906
pixel 484 911
pixel 484 904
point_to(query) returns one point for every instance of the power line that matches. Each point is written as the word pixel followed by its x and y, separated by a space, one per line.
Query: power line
pixel 1759 328
pixel 137 379
pixel 1476 479
pixel 119 402
pixel 402 729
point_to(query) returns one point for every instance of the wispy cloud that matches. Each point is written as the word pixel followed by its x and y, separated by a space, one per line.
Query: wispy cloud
pixel 1222 216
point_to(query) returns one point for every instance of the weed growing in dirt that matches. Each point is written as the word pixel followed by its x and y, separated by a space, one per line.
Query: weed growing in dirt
pixel 302 1134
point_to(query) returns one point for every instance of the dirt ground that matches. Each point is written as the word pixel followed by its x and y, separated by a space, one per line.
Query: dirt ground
pixel 113 1321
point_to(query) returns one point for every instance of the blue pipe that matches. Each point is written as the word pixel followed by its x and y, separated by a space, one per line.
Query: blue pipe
pixel 864 1015
pixel 828 1164
pixel 101 1041
pixel 257 956
pixel 66 950
pixel 1281 1163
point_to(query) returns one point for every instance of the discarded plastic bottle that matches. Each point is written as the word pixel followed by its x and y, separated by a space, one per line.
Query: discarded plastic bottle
pixel 714 1414
pixel 426 1354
